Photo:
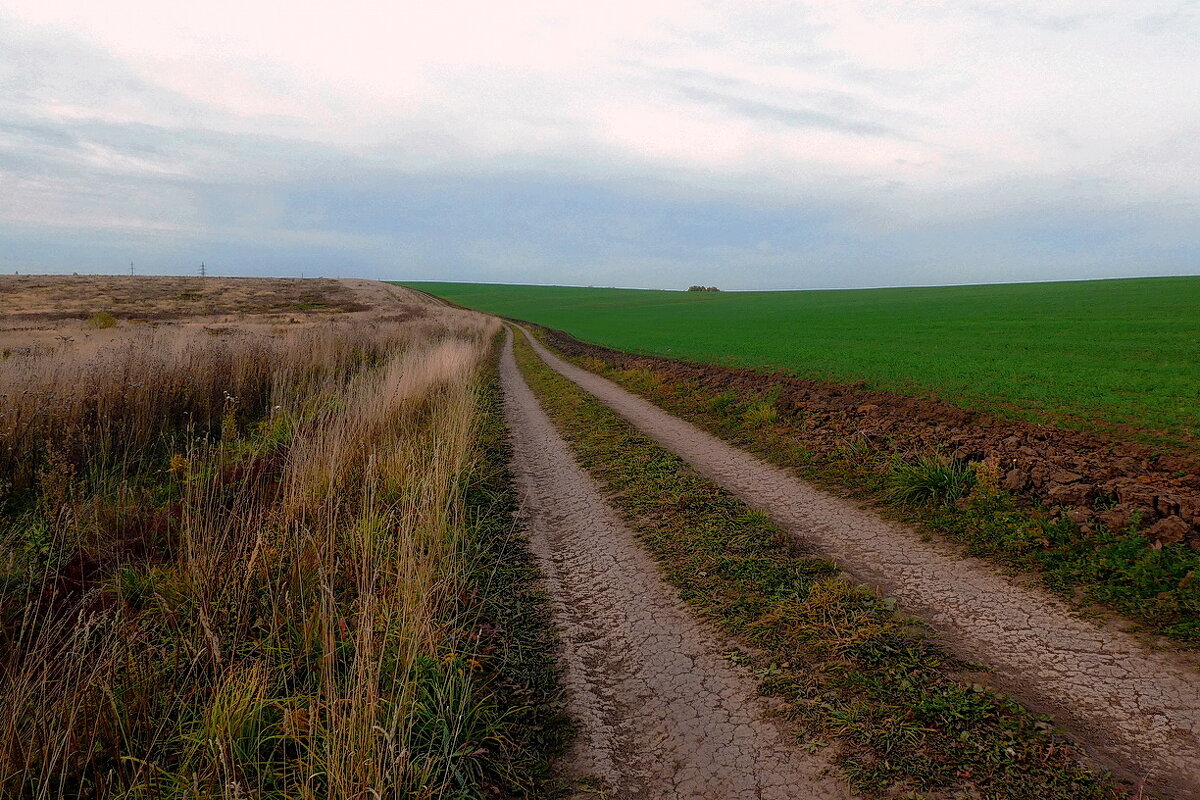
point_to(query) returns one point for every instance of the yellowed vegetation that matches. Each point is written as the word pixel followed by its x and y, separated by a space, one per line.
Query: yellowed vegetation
pixel 226 563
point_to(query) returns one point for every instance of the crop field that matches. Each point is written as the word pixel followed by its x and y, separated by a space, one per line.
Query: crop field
pixel 1121 355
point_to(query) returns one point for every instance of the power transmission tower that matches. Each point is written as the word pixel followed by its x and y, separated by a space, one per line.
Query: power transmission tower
pixel 131 269
pixel 203 271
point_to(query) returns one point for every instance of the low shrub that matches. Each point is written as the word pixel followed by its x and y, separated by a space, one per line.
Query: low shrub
pixel 101 320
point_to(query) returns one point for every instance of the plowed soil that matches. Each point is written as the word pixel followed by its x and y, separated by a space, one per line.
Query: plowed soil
pixel 1095 479
pixel 663 714
pixel 1134 710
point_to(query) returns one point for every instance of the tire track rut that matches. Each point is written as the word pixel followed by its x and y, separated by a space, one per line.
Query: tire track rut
pixel 1133 709
pixel 663 713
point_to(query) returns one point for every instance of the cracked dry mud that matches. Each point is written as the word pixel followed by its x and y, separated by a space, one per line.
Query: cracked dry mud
pixel 1133 709
pixel 662 713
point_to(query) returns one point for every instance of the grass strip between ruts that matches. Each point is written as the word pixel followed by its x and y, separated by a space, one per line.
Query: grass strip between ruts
pixel 905 714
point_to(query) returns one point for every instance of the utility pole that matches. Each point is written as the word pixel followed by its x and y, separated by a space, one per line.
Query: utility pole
pixel 203 272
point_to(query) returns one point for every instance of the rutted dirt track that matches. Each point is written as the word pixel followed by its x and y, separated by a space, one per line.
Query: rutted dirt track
pixel 663 714
pixel 1136 710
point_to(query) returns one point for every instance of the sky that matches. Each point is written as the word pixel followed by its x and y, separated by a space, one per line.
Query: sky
pixel 657 143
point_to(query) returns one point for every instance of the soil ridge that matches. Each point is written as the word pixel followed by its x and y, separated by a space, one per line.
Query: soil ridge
pixel 1094 479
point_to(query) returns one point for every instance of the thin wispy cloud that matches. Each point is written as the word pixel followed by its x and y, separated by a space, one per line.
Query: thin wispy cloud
pixel 653 143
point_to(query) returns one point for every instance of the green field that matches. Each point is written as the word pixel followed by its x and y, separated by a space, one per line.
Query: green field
pixel 1094 353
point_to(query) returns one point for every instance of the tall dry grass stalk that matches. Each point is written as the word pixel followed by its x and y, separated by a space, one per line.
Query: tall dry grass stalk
pixel 226 567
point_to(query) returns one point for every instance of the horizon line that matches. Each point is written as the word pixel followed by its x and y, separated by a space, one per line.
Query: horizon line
pixel 303 276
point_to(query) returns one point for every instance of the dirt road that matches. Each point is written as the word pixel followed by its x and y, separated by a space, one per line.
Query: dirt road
pixel 1137 711
pixel 663 713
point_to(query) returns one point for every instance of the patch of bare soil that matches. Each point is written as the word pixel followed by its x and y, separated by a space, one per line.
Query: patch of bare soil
pixel 663 714
pixel 1135 710
pixel 1091 478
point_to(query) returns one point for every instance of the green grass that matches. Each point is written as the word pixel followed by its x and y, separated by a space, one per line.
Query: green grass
pixel 1106 354
pixel 910 721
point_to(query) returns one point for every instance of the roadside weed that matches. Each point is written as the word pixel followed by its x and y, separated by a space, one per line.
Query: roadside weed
pixel 931 478
pixel 760 413
pixel 102 320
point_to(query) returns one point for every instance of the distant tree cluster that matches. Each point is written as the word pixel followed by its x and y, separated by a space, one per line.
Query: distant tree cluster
pixel 703 289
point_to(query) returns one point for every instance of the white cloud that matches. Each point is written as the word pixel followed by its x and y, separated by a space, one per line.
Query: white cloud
pixel 905 113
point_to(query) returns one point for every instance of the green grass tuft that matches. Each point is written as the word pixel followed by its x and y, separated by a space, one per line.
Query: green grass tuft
pixel 930 479
pixel 760 413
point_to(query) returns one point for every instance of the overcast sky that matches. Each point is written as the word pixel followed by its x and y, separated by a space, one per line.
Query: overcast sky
pixel 649 143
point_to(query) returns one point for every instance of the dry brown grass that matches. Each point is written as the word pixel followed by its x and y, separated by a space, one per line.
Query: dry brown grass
pixel 57 313
pixel 170 297
pixel 226 562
